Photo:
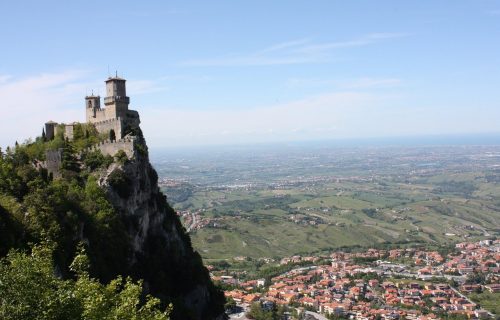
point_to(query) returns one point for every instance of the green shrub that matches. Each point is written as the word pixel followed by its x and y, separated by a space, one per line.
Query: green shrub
pixel 94 159
pixel 121 157
pixel 119 181
pixel 35 292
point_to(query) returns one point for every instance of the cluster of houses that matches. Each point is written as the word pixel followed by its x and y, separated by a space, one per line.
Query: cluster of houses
pixel 482 256
pixel 350 288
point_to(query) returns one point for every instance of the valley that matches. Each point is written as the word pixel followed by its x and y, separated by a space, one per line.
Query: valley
pixel 275 201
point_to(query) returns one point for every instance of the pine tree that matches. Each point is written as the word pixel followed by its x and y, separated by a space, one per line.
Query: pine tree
pixel 44 138
pixel 69 161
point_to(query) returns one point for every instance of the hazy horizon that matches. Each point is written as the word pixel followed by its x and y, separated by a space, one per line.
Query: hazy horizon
pixel 487 139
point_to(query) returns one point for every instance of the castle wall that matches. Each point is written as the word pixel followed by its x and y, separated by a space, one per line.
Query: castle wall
pixel 53 160
pixel 100 115
pixel 117 109
pixel 112 147
pixel 69 131
pixel 111 112
pixel 50 130
pixel 111 124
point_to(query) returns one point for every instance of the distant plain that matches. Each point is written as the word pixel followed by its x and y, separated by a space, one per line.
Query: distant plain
pixel 281 200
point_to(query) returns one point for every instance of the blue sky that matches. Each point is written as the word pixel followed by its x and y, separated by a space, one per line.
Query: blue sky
pixel 229 72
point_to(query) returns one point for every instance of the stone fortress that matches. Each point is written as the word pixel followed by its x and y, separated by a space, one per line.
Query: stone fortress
pixel 114 121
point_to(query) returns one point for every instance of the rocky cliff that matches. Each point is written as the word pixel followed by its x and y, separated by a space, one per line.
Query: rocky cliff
pixel 159 250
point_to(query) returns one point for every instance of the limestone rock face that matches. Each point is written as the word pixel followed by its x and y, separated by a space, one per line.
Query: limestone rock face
pixel 160 251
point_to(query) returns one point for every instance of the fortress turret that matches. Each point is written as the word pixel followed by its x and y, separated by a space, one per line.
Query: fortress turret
pixel 93 106
pixel 50 130
pixel 116 100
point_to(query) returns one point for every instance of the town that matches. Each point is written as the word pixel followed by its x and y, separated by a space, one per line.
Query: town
pixel 409 283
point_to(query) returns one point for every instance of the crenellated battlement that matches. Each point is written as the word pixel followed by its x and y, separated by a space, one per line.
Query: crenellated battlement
pixel 53 158
pixel 108 121
pixel 111 147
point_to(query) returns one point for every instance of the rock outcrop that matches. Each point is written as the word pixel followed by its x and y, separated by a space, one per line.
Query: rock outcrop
pixel 159 249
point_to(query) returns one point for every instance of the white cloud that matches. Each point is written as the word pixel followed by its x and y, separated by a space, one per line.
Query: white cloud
pixel 4 78
pixel 292 52
pixel 312 117
pixel 338 115
pixel 137 87
pixel 29 102
pixel 368 82
pixel 346 84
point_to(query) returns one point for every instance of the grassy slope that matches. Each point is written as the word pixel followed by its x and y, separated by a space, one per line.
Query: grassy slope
pixel 487 300
pixel 257 222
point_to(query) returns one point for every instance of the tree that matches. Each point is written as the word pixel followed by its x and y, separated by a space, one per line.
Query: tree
pixel 258 313
pixel 230 304
pixel 34 292
pixel 121 157
pixel 69 161
pixel 475 278
pixel 120 183
pixel 94 159
pixel 78 132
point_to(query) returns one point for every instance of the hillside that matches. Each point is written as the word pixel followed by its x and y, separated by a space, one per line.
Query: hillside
pixel 111 205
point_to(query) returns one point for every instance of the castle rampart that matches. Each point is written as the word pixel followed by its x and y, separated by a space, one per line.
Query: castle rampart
pixel 69 130
pixel 53 158
pixel 107 125
pixel 53 161
pixel 109 147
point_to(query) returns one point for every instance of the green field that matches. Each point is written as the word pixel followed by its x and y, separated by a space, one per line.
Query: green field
pixel 487 300
pixel 304 210
pixel 270 223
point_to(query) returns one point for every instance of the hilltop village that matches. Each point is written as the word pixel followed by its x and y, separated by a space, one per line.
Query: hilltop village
pixel 376 284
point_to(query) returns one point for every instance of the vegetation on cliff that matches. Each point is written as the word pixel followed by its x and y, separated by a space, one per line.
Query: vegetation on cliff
pixel 29 289
pixel 75 209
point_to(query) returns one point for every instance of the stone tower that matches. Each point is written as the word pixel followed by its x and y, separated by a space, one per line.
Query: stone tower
pixel 50 130
pixel 93 106
pixel 116 100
